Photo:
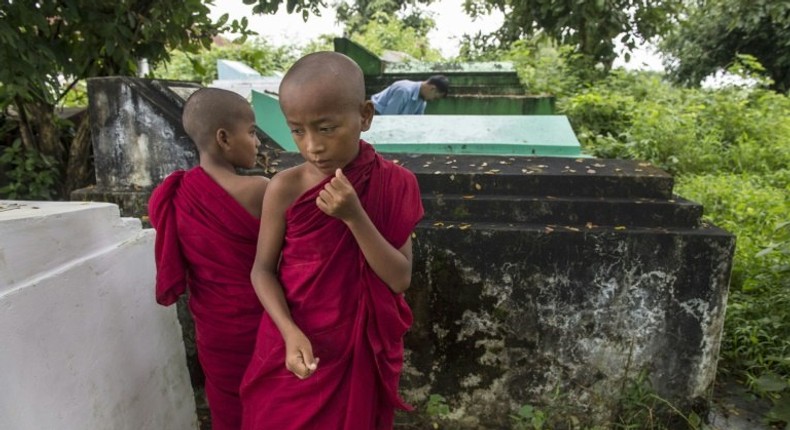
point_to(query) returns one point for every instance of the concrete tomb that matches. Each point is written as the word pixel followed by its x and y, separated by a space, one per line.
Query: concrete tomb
pixel 549 281
pixel 83 344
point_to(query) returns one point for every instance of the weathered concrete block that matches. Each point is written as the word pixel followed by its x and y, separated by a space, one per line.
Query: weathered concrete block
pixel 83 343
pixel 136 130
pixel 537 280
pixel 138 139
pixel 508 316
pixel 555 282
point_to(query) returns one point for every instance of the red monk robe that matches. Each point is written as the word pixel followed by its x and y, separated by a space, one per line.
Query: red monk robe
pixel 353 320
pixel 206 241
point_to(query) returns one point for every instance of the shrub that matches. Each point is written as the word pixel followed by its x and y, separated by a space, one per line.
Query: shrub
pixel 29 175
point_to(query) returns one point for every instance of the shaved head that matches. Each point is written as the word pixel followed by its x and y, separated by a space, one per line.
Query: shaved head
pixel 209 109
pixel 332 74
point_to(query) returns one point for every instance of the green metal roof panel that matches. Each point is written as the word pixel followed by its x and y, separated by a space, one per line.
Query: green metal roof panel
pixel 271 120
pixel 491 105
pixel 369 62
pixel 372 64
pixel 547 135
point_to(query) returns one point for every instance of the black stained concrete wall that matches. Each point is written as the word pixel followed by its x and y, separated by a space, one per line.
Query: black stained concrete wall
pixel 138 138
pixel 137 124
pixel 537 280
pixel 555 282
pixel 508 316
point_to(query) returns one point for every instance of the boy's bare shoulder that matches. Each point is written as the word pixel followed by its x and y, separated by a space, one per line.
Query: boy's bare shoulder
pixel 252 185
pixel 249 191
pixel 287 185
pixel 255 181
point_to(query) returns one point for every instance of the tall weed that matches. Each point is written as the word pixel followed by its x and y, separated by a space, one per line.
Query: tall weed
pixel 729 149
pixel 26 174
pixel 685 131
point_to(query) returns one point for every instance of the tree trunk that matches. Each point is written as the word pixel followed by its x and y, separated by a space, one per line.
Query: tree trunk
pixel 79 172
pixel 25 128
pixel 41 117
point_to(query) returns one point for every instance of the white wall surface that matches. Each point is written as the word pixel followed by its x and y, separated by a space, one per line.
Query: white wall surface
pixel 83 344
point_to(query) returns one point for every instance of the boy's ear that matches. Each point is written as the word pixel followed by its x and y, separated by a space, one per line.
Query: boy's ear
pixel 367 110
pixel 222 138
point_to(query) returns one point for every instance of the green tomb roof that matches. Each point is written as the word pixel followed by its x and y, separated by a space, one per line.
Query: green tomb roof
pixel 544 135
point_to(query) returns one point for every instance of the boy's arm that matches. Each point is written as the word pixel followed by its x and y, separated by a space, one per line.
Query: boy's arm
pixel 299 352
pixel 392 265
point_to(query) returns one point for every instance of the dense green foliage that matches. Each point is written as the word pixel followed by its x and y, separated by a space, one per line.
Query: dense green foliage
pixel 544 67
pixel 47 48
pixel 685 131
pixel 79 39
pixel 729 150
pixel 355 16
pixel 385 32
pixel 590 27
pixel 28 173
pixel 382 33
pixel 304 7
pixel 714 33
pixel 201 66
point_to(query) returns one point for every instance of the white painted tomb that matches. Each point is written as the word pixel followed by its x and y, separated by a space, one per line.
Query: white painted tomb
pixel 83 344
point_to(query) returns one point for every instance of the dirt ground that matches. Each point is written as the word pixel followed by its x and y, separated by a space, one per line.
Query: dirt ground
pixel 732 408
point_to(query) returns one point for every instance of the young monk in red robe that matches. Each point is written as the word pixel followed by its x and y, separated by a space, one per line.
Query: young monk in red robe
pixel 334 258
pixel 206 222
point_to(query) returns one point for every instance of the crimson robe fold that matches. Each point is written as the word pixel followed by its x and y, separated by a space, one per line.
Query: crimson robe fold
pixel 205 243
pixel 355 323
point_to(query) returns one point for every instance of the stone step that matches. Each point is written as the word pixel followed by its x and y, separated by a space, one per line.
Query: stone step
pixel 82 229
pixel 537 176
pixel 504 231
pixel 525 175
pixel 577 211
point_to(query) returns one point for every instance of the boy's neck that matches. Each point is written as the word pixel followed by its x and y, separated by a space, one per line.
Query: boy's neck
pixel 216 165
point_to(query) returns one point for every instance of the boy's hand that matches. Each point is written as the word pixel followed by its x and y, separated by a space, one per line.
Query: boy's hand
pixel 299 356
pixel 338 198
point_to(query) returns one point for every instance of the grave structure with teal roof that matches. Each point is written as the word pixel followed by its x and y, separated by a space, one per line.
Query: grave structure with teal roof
pixel 487 111
pixel 533 274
